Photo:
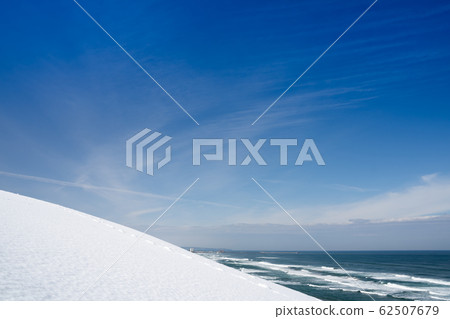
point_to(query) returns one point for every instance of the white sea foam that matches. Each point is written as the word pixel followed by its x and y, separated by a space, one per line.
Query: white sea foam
pixel 438 298
pixel 271 265
pixel 432 281
pixel 374 293
pixel 436 293
pixel 328 268
pixel 404 288
pixel 316 286
pixel 242 260
pixel 379 284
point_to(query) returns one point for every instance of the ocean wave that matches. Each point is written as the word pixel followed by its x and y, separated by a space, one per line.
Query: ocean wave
pixel 329 268
pixel 374 293
pixel 432 281
pixel 326 269
pixel 220 258
pixel 436 293
pixel 276 265
pixel 404 288
pixel 317 286
pixel 333 278
pixel 233 259
pixel 406 278
pixel 355 285
pixel 438 298
pixel 349 290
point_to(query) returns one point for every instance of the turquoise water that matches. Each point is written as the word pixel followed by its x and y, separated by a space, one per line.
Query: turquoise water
pixel 391 275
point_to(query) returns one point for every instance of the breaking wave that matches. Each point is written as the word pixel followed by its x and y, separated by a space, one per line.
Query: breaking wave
pixel 327 278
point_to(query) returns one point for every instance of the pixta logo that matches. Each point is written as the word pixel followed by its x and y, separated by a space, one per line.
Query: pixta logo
pixel 144 145
pixel 309 148
pixel 141 148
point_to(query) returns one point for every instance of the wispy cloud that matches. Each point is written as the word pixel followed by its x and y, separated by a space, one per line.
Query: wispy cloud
pixel 430 198
pixel 429 178
pixel 350 188
pixel 82 185
pixel 141 212
pixel 107 189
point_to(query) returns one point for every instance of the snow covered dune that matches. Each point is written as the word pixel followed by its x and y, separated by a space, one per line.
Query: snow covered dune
pixel 48 252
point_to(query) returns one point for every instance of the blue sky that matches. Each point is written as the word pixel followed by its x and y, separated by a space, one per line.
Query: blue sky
pixel 377 106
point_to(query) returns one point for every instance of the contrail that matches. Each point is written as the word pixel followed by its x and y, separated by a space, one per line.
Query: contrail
pixel 105 188
pixel 81 185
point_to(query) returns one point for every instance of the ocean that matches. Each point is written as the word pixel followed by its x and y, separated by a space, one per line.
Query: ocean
pixel 385 275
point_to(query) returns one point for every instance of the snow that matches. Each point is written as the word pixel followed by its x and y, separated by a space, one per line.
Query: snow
pixel 49 252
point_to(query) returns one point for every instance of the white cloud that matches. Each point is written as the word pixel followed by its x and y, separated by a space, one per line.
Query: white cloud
pixel 429 178
pixel 141 212
pixel 83 185
pixel 431 198
pixel 350 188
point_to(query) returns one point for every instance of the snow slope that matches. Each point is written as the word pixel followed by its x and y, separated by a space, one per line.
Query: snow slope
pixel 48 252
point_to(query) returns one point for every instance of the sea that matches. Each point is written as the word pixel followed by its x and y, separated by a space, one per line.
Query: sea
pixel 384 275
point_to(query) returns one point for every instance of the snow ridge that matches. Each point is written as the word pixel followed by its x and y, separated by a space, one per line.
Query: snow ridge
pixel 49 252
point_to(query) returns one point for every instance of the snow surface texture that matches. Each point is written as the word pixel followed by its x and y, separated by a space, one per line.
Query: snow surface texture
pixel 49 252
